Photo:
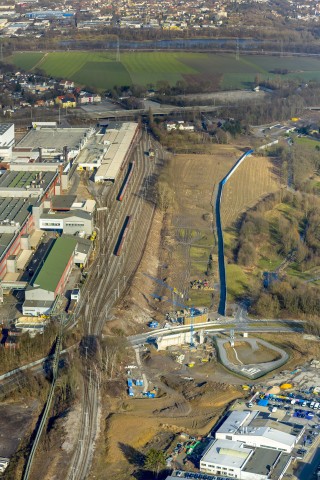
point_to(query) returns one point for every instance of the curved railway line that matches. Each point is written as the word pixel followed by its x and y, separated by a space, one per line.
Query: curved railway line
pixel 106 284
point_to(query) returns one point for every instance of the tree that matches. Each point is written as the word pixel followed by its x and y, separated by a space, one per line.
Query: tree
pixel 155 461
pixel 164 196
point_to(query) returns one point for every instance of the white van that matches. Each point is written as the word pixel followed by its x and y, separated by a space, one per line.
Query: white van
pixel 312 404
pixel 316 406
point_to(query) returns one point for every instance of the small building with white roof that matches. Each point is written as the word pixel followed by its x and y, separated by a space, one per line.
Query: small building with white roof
pixel 241 427
pixel 224 457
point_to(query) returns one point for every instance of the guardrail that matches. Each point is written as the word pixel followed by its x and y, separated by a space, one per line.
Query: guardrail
pixel 221 260
pixel 46 410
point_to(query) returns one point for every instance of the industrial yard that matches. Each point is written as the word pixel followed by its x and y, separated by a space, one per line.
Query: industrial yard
pixel 124 296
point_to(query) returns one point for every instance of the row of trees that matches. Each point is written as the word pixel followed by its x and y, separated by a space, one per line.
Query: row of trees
pixel 298 233
pixel 290 296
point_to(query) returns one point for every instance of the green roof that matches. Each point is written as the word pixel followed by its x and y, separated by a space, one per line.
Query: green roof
pixel 50 274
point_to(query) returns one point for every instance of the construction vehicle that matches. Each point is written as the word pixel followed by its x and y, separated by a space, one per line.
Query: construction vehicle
pixel 93 235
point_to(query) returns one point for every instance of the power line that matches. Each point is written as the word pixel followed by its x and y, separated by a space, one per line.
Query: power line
pixel 118 50
pixel 237 50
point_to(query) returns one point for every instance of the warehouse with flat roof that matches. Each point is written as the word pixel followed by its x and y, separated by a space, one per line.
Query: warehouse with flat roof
pixel 237 460
pixel 225 457
pixel 242 426
pixel 53 140
pixel 14 212
pixel 119 142
pixel 26 184
pixel 51 278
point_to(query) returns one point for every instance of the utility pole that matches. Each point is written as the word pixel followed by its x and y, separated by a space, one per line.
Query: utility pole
pixel 118 49
pixel 237 50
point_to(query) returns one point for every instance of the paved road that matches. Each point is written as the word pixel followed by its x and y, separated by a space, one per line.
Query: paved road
pixel 164 110
pixel 141 338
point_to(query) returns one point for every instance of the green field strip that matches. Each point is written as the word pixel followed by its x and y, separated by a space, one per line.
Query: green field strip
pixel 102 75
pixel 27 60
pixel 155 62
pixel 99 70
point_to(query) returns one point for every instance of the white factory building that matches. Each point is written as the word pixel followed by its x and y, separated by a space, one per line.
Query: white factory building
pixel 243 426
pixel 228 459
pixel 6 140
pixel 108 150
pixel 224 457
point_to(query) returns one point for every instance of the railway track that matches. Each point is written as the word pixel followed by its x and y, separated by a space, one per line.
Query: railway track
pixel 104 287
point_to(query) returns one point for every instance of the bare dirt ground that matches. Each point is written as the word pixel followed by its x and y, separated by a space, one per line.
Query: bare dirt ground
pixel 247 355
pixel 16 418
pixel 182 406
pixel 178 247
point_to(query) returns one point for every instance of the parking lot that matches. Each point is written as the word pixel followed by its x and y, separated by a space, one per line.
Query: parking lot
pixel 301 412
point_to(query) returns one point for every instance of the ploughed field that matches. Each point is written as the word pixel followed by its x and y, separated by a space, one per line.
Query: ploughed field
pixel 102 71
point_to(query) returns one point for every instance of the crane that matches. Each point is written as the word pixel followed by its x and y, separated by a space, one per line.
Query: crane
pixel 173 290
pixel 191 310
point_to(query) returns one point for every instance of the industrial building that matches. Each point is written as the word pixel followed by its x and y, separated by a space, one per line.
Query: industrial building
pixel 224 457
pixel 108 151
pixel 50 280
pixel 20 192
pixel 15 222
pixel 65 215
pixel 248 428
pixel 52 141
pixel 34 184
pixel 236 460
pixel 6 141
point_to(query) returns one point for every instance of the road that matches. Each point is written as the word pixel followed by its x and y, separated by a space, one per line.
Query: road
pixel 164 110
pixel 107 281
pixel 141 338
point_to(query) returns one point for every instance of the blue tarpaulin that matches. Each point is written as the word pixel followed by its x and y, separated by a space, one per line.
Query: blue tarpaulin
pixel 263 402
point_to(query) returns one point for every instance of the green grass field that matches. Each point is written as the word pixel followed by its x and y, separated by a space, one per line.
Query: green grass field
pixel 307 142
pixel 100 70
